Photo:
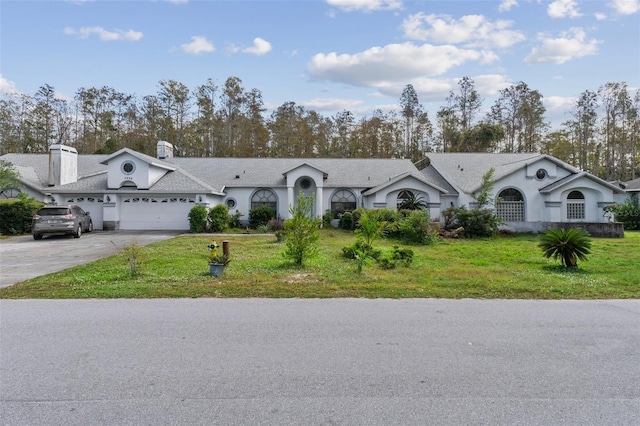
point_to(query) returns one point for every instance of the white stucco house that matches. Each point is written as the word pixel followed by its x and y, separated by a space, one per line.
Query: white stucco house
pixel 130 190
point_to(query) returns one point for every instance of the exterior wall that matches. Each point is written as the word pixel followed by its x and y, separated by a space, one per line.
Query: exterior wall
pixel 598 229
pixel 525 181
pixel 388 197
pixel 144 175
pixel 295 176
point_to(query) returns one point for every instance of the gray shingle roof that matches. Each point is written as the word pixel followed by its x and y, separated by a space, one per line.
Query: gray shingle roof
pixel 214 174
pixel 633 185
pixel 467 169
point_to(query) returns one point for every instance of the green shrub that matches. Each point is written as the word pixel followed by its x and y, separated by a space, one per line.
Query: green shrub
pixel 218 218
pixel 628 212
pixel 399 256
pixel 234 219
pixel 351 252
pixel 346 221
pixel 16 215
pixel 260 216
pixel 567 244
pixel 198 219
pixel 476 222
pixel 415 228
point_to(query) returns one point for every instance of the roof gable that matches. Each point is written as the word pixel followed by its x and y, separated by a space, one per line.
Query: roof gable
pixel 465 170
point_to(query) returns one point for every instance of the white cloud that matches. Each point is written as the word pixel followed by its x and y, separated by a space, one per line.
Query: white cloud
pixel 199 44
pixel 600 16
pixel 563 9
pixel 395 62
pixel 7 86
pixel 469 30
pixel 104 35
pixel 625 7
pixel 437 90
pixel 334 104
pixel 259 48
pixel 506 5
pixel 365 5
pixel 570 45
pixel 178 1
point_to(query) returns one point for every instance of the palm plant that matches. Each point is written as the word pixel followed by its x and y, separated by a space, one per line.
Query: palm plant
pixel 567 244
pixel 411 201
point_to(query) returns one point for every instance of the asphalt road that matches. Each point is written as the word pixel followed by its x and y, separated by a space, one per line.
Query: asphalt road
pixel 22 257
pixel 319 362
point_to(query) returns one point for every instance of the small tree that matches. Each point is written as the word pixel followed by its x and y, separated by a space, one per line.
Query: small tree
pixel 567 244
pixel 369 229
pixel 302 231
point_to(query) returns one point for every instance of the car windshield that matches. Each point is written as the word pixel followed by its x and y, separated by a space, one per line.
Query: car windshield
pixel 54 212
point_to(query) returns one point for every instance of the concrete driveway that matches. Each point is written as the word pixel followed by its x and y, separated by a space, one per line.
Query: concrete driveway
pixel 22 258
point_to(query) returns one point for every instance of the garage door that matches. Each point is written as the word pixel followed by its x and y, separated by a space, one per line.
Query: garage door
pixel 91 204
pixel 163 213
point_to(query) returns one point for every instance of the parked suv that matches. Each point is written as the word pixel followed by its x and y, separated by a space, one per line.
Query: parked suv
pixel 61 220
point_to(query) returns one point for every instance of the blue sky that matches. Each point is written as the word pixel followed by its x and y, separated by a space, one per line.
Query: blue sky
pixel 325 55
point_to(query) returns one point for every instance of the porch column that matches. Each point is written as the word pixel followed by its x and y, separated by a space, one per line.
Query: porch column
pixel 290 200
pixel 319 203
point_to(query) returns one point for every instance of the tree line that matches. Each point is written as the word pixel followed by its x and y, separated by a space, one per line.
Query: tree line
pixel 601 135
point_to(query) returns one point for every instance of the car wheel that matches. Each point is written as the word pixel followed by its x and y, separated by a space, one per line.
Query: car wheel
pixel 37 236
pixel 90 228
pixel 78 232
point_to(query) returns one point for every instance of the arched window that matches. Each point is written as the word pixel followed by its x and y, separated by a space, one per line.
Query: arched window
pixel 342 201
pixel 575 205
pixel 510 205
pixel 264 197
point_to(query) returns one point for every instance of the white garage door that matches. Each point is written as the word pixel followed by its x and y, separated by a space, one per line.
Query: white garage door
pixel 91 204
pixel 163 213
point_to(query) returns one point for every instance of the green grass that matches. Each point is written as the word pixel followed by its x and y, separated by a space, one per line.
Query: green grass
pixel 502 267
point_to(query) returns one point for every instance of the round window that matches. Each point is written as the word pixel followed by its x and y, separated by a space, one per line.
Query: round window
pixel 305 183
pixel 231 203
pixel 128 167
pixel 541 174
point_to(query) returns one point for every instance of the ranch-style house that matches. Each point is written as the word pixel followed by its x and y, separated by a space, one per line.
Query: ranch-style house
pixel 133 191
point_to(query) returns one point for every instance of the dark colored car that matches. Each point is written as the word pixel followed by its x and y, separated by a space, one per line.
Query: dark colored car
pixel 61 220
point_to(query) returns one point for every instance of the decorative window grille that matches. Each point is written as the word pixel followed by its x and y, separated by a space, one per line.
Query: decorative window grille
pixel 342 201
pixel 575 206
pixel 264 197
pixel 510 206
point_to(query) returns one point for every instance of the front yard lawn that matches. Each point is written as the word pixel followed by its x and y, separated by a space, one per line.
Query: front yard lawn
pixel 510 267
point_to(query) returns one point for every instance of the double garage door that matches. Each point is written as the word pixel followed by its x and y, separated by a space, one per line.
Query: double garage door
pixel 155 213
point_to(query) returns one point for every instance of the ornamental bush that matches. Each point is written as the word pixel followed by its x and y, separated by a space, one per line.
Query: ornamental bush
pixel 260 216
pixel 568 245
pixel 218 218
pixel 476 222
pixel 628 212
pixel 198 219
pixel 16 215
